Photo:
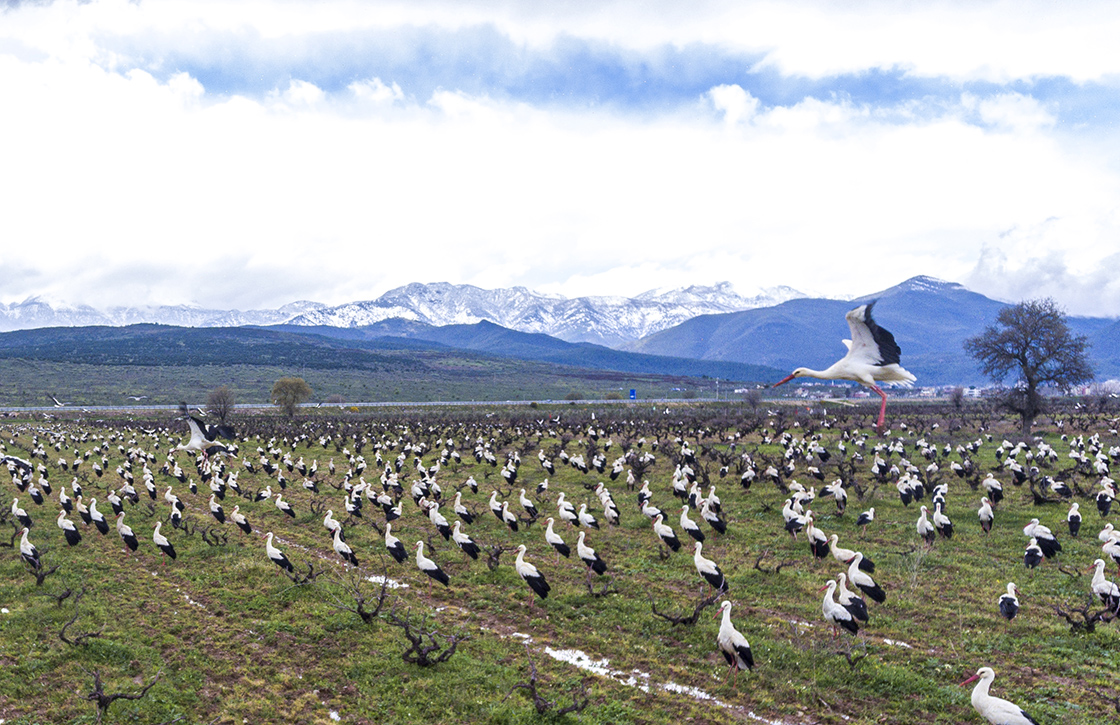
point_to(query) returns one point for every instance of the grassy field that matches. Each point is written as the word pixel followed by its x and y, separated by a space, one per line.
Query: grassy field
pixel 232 640
pixel 29 383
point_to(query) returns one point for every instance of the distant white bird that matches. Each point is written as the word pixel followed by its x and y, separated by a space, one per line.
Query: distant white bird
pixel 872 355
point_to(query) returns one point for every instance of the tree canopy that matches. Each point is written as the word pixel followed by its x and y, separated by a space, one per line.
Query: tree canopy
pixel 288 393
pixel 1032 342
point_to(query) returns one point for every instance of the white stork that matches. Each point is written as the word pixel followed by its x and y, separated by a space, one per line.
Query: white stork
pixel 394 545
pixel 1046 540
pixel 239 518
pixel 276 556
pixel 1106 591
pixel 530 574
pixel 865 583
pixel 73 536
pixel 27 550
pixel 97 518
pixel 690 526
pixel 464 542
pixel 734 646
pixel 985 514
pixel 708 569
pixel 1073 518
pixel 555 541
pixel 835 614
pixel 926 530
pixel 850 600
pixel 872 355
pixel 666 534
pixel 343 549
pixel 588 556
pixel 126 534
pixel 995 710
pixel 1009 602
pixel 161 541
pixel 429 567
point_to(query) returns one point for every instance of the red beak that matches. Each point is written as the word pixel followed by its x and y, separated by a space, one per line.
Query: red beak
pixel 970 679
pixel 784 380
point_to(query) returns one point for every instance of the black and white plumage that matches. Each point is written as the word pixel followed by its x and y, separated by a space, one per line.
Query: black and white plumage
pixel 97 518
pixel 734 646
pixel 865 519
pixel 925 528
pixel 496 506
pixel 73 536
pixel 872 355
pixel 239 518
pixel 394 545
pixel 216 510
pixel 529 507
pixel 850 600
pixel 863 582
pixel 276 556
pixel 508 517
pixel 1107 592
pixel 126 534
pixel 845 556
pixel 438 520
pixel 464 542
pixel 461 510
pixel 588 556
pixel 284 506
pixel 162 543
pixel 985 514
pixel 342 548
pixel 20 514
pixel 818 542
pixel 204 438
pixel 690 526
pixel 666 534
pixel 995 710
pixel 1009 602
pixel 586 519
pixel 942 523
pixel 429 567
pixel 1073 519
pixel 834 613
pixel 1046 540
pixel 27 550
pixel 555 541
pixel 1033 555
pixel 331 525
pixel 708 568
pixel 530 574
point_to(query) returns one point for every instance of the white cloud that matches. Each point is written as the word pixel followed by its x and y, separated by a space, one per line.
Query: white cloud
pixel 735 103
pixel 128 189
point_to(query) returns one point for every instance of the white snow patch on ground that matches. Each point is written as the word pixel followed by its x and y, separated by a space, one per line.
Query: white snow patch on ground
pixel 641 680
pixel 392 583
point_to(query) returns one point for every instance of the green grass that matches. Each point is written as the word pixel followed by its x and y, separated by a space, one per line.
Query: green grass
pixel 236 642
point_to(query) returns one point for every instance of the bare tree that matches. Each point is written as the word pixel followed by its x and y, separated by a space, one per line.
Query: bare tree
pixel 220 402
pixel 1032 342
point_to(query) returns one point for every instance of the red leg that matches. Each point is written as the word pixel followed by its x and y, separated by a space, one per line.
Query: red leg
pixel 882 408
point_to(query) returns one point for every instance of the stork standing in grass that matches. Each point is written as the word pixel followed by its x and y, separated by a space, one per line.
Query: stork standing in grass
pixel 995 710
pixel 734 646
pixel 1009 602
pixel 872 355
pixel 429 567
pixel 530 575
pixel 708 569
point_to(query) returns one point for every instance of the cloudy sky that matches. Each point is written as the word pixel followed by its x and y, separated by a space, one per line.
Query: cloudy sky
pixel 249 154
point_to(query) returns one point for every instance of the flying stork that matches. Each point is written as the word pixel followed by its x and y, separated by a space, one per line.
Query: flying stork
pixel 872 355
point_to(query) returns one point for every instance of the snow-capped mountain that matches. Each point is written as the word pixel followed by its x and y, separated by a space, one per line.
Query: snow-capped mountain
pixel 36 312
pixel 607 320
pixel 603 320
